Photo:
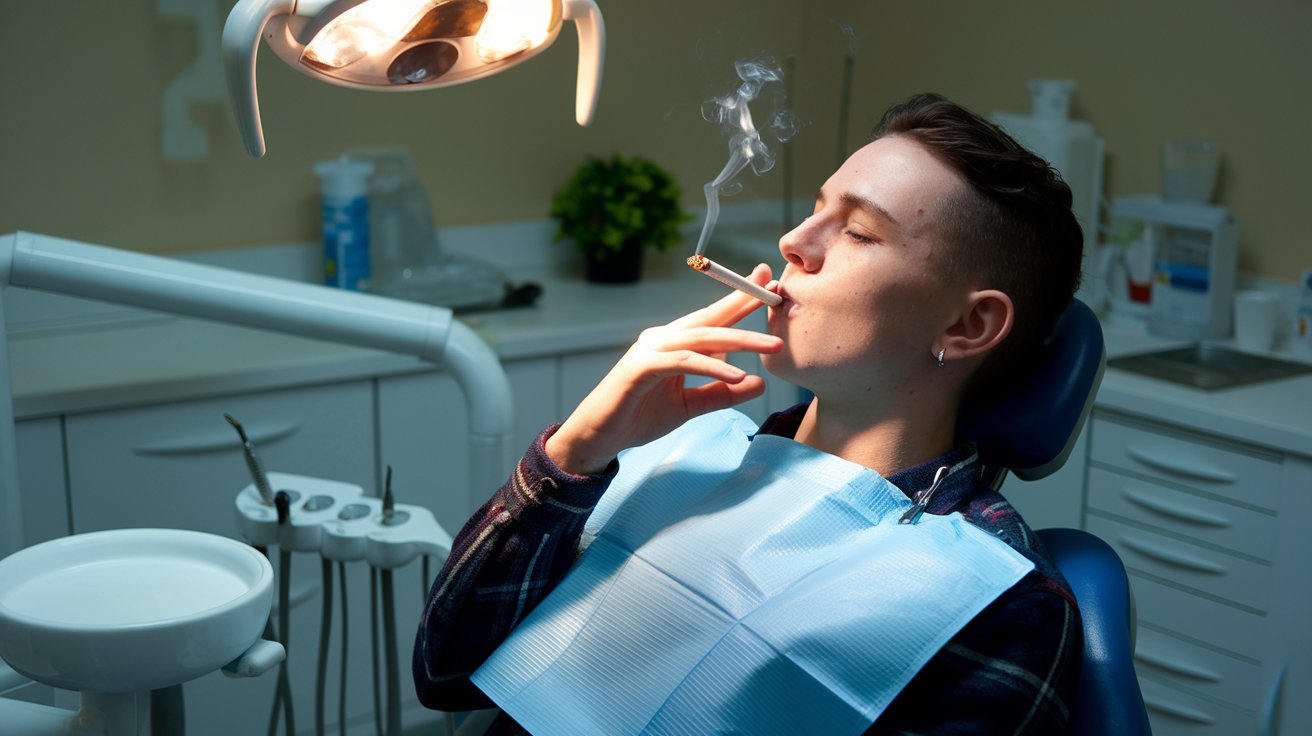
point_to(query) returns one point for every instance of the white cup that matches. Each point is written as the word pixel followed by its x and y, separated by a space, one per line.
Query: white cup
pixel 1257 320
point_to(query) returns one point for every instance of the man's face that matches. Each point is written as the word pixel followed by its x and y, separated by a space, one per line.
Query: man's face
pixel 866 292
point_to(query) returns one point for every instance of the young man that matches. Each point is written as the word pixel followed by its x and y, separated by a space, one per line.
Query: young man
pixel 937 258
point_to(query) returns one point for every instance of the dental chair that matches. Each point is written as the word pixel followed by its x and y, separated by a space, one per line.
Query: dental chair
pixel 1030 432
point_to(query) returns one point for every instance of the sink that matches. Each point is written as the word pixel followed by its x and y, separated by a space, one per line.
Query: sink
pixel 1208 367
pixel 131 609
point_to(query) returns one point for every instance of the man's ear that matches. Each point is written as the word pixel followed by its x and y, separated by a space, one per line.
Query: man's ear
pixel 985 320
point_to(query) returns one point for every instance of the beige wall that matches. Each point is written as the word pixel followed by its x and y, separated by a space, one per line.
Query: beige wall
pixel 82 84
pixel 1230 72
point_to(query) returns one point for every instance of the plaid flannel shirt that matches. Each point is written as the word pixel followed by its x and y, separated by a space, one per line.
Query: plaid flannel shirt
pixel 1011 670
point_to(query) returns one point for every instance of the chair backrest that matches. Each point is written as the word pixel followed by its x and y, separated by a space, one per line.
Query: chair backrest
pixel 1108 702
pixel 1030 432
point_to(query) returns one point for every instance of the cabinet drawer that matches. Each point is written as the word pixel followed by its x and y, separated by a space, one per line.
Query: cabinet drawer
pixel 1244 530
pixel 1166 659
pixel 1214 467
pixel 180 465
pixel 1175 713
pixel 1233 578
pixel 1171 609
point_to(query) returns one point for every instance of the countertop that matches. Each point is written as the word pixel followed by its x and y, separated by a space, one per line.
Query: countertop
pixel 136 358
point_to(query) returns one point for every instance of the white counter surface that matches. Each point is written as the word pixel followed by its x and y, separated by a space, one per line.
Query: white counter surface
pixel 1275 414
pixel 147 358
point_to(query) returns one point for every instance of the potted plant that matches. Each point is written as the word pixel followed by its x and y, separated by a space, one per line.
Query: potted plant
pixel 614 209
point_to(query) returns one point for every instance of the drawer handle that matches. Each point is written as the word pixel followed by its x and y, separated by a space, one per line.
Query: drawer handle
pixel 1170 556
pixel 1176 511
pixel 217 440
pixel 1162 661
pixel 1270 719
pixel 1186 468
pixel 1179 711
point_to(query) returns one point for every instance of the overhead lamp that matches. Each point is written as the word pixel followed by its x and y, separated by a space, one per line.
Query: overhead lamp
pixel 403 45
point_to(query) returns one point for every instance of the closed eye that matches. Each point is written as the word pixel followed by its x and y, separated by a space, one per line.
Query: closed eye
pixel 859 237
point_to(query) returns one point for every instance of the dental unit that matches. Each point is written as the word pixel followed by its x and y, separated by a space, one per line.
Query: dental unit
pixel 402 45
pixel 342 525
pixel 122 647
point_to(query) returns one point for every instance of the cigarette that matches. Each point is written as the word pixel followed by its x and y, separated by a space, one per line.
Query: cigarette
pixel 733 280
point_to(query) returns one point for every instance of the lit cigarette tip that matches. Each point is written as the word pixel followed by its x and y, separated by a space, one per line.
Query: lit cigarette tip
pixel 734 280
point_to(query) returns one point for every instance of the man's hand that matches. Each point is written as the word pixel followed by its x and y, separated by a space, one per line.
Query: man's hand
pixel 644 396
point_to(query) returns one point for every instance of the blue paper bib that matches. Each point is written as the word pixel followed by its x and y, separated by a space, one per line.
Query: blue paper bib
pixel 743 586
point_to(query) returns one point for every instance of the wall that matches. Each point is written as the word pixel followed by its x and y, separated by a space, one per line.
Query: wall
pixel 1233 73
pixel 80 133
pixel 80 151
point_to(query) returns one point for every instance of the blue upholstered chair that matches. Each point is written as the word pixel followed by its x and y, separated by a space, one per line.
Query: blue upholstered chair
pixel 1030 433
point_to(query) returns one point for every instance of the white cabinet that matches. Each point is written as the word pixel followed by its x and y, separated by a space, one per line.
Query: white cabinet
pixel 423 434
pixel 1199 522
pixel 579 374
pixel 1057 500
pixel 41 479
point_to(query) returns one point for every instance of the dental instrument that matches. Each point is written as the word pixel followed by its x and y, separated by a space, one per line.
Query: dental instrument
pixel 343 525
pixel 252 462
pixel 733 280
pixel 403 45
pixel 283 693
pixel 388 518
pixel 325 632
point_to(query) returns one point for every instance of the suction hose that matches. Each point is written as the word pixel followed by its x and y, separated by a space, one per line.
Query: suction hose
pixel 283 695
pixel 325 630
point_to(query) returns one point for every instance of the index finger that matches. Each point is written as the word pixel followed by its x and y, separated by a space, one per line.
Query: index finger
pixel 730 309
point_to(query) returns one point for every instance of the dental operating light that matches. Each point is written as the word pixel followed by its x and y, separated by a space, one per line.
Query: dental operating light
pixel 402 45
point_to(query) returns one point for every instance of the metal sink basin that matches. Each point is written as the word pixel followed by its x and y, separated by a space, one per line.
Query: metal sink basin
pixel 1209 368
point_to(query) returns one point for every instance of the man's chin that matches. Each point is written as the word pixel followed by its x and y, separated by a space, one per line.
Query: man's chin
pixel 781 365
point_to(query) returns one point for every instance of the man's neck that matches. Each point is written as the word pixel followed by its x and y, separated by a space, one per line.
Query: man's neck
pixel 884 442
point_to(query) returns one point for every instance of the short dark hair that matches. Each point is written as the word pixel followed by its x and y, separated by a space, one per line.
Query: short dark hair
pixel 1012 226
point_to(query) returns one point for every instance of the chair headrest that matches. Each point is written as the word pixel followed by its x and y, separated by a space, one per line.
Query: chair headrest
pixel 1031 429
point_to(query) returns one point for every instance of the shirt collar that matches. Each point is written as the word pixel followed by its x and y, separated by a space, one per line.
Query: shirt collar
pixel 957 487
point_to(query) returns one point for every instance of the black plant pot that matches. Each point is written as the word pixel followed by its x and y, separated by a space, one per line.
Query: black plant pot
pixel 607 266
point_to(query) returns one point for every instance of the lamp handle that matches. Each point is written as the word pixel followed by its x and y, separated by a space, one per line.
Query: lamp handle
pixel 241 44
pixel 592 54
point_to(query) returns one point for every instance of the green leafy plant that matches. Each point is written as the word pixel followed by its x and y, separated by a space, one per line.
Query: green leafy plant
pixel 623 201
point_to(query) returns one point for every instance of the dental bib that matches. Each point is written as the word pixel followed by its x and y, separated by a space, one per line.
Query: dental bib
pixel 743 585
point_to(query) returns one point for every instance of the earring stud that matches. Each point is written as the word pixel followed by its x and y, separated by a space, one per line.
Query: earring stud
pixel 941 353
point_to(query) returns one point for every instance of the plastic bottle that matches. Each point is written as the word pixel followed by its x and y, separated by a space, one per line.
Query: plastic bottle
pixel 344 182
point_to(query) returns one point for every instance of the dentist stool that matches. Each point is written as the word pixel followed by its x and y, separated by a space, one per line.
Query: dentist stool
pixel 1030 432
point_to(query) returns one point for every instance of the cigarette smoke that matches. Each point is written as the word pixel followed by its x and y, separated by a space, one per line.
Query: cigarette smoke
pixel 746 148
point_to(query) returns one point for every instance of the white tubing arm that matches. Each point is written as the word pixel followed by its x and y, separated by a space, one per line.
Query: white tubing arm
pixel 11 504
pixel 207 292
pixel 135 279
pixel 241 45
pixel 490 407
pixel 592 56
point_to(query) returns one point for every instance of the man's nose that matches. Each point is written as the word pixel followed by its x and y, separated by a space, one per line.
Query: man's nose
pixel 803 246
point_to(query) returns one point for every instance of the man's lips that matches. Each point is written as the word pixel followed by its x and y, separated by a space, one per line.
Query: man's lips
pixel 782 291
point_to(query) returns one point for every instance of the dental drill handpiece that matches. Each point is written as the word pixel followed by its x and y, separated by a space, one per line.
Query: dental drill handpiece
pixel 389 500
pixel 253 462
